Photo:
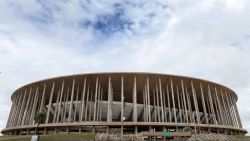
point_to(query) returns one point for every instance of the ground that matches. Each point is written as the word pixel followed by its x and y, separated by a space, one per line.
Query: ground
pixel 68 137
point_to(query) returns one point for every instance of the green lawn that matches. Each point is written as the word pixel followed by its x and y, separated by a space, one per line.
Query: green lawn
pixel 68 137
pixel 245 138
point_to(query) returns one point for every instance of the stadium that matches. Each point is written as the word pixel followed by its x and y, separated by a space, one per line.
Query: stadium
pixel 124 103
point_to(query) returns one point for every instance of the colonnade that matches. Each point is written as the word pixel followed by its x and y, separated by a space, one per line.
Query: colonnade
pixel 150 99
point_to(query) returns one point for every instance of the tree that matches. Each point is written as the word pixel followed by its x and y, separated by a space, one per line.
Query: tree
pixel 39 118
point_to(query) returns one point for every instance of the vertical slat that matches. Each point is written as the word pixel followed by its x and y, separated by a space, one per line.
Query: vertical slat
pixel 216 110
pixel 95 104
pixel 134 101
pixel 34 106
pixel 110 101
pixel 18 107
pixel 59 113
pixel 211 105
pixel 196 104
pixel 172 92
pixel 122 104
pixel 101 106
pixel 50 101
pixel 229 111
pixel 65 103
pixel 76 103
pixel 184 99
pixel 27 120
pixel 157 103
pixel 161 100
pixel 225 108
pixel 98 102
pixel 203 104
pixel 83 101
pixel 219 106
pixel 87 104
pixel 189 107
pixel 237 112
pixel 154 93
pixel 182 106
pixel 16 103
pixel 71 100
pixel 90 104
pixel 179 105
pixel 22 108
pixel 169 108
pixel 233 110
pixel 27 105
pixel 122 99
pixel 144 105
pixel 56 106
pixel 148 101
pixel 43 97
pixel 164 105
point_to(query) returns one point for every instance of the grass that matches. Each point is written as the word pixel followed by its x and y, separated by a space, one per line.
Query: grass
pixel 63 137
pixel 246 138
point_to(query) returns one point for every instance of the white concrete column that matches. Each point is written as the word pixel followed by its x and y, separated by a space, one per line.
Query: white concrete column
pixel 229 111
pixel 179 105
pixel 154 93
pixel 43 97
pixel 224 107
pixel 101 106
pixel 148 101
pixel 14 111
pixel 33 112
pixel 190 113
pixel 185 102
pixel 18 107
pixel 122 104
pixel 233 110
pixel 87 104
pixel 161 100
pixel 27 105
pixel 172 92
pixel 238 115
pixel 134 101
pixel 203 104
pixel 90 105
pixel 211 105
pixel 22 108
pixel 169 108
pixel 65 103
pixel 98 102
pixel 71 100
pixel 95 104
pixel 50 102
pixel 195 103
pixel 110 101
pixel 59 112
pixel 219 106
pixel 164 105
pixel 158 104
pixel 83 101
pixel 75 103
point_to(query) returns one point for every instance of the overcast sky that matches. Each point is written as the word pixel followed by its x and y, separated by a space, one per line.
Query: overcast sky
pixel 47 38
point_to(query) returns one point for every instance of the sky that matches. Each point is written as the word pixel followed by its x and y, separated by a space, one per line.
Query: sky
pixel 208 39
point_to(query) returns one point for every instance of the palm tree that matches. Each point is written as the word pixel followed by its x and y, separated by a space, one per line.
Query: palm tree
pixel 39 118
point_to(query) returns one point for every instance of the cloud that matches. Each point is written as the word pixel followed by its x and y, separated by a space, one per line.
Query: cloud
pixel 206 39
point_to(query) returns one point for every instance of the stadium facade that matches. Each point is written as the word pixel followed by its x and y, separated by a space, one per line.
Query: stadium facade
pixel 125 103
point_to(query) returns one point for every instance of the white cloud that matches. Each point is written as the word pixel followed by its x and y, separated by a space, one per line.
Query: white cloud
pixel 206 39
